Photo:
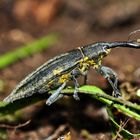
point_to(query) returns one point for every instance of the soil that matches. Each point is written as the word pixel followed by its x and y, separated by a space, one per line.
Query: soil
pixel 78 24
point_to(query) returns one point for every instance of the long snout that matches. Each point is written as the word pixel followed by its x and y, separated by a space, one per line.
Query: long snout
pixel 127 44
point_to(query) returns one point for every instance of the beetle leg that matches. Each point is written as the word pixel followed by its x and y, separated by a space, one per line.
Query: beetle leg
pixel 76 72
pixel 85 79
pixel 109 74
pixel 75 95
pixel 55 96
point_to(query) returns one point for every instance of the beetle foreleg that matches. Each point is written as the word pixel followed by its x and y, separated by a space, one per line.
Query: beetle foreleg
pixel 55 96
pixel 109 74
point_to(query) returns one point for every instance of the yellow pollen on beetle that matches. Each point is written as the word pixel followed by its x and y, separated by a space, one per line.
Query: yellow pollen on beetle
pixel 57 71
pixel 64 78
pixel 85 63
pixel 51 82
pixel 108 51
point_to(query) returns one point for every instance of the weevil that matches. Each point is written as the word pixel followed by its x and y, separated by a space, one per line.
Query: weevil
pixel 57 72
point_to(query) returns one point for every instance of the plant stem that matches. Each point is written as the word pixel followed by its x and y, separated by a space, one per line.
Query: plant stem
pixel 27 50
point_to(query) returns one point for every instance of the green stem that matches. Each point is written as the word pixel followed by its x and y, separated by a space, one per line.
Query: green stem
pixel 27 50
pixel 125 107
pixel 95 92
pixel 125 133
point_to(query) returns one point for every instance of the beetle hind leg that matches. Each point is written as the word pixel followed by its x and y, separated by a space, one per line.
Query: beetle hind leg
pixel 55 96
pixel 112 78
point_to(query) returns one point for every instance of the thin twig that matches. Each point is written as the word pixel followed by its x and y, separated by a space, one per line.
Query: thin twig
pixel 16 126
pixel 122 125
pixel 57 133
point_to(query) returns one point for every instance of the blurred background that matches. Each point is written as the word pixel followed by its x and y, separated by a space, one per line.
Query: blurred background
pixel 77 23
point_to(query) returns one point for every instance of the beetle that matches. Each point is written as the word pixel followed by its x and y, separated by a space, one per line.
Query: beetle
pixel 56 72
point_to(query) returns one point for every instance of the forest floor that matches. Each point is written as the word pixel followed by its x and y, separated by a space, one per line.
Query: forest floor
pixel 78 24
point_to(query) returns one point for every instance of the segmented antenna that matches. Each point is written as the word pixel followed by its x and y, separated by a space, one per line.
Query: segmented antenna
pixel 133 33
